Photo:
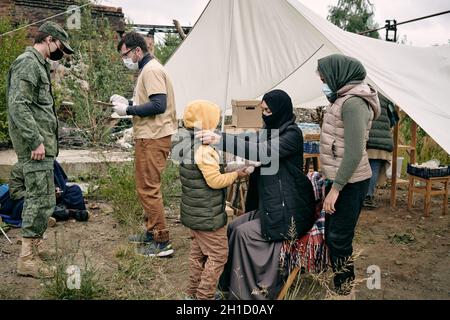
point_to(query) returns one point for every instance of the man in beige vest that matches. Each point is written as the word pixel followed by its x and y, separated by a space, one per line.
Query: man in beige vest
pixel 154 123
pixel 343 157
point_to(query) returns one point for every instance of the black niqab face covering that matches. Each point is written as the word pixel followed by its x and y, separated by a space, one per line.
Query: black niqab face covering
pixel 280 104
pixel 338 70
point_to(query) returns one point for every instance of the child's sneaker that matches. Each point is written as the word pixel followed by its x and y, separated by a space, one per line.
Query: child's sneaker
pixel 156 249
pixel 145 237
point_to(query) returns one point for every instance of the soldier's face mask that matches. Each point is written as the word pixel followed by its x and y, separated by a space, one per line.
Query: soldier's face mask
pixel 57 54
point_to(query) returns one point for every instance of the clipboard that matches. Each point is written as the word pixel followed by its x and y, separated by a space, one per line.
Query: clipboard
pixel 104 104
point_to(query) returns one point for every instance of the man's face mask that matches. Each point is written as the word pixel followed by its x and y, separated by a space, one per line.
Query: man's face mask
pixel 128 62
pixel 56 55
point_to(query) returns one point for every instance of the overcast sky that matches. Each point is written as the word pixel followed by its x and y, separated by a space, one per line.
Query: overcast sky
pixel 427 32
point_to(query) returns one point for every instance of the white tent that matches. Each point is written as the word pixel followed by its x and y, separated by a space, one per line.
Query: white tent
pixel 240 49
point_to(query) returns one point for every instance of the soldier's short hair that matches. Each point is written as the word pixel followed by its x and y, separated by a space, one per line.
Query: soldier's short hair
pixel 40 37
pixel 133 40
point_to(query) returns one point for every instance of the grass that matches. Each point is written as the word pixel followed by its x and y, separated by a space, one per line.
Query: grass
pixel 404 238
pixel 63 286
pixel 136 277
pixel 310 287
pixel 140 278
pixel 171 185
pixel 426 149
pixel 119 188
pixel 317 286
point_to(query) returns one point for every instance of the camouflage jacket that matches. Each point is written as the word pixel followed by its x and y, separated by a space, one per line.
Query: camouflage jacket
pixel 31 111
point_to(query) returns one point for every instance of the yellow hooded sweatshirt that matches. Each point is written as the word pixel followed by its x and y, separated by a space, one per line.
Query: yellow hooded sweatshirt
pixel 205 115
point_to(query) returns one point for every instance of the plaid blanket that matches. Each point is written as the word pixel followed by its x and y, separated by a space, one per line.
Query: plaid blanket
pixel 318 183
pixel 310 252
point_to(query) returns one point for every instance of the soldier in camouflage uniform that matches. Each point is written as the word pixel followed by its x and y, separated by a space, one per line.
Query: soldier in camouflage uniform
pixel 33 128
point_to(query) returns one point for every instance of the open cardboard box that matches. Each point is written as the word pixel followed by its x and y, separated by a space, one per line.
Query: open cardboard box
pixel 246 114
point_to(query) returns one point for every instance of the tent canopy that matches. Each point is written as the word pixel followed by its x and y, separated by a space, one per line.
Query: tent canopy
pixel 240 49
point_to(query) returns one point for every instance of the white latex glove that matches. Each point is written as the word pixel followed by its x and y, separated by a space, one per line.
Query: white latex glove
pixel 120 108
pixel 253 163
pixel 116 99
pixel 249 170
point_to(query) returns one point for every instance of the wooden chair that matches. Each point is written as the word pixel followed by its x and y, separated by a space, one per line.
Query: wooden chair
pixel 311 157
pixel 429 190
pixel 288 283
pixel 236 195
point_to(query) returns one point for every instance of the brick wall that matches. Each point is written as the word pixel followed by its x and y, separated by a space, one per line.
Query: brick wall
pixel 35 10
pixel 5 8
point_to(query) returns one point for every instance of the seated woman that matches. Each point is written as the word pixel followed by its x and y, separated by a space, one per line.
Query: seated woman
pixel 282 199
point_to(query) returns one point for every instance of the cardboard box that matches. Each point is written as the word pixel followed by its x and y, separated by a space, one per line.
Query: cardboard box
pixel 246 114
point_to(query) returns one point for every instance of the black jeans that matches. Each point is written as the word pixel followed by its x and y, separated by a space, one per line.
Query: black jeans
pixel 340 230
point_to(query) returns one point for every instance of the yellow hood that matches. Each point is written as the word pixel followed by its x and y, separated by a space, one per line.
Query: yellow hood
pixel 201 114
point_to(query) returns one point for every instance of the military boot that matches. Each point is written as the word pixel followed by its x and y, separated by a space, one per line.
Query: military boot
pixel 44 253
pixel 29 263
pixel 51 222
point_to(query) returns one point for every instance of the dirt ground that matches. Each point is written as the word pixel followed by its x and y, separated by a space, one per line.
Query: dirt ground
pixel 412 252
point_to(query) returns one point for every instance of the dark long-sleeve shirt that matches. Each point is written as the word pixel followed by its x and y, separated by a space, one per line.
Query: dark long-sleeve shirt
pixel 156 105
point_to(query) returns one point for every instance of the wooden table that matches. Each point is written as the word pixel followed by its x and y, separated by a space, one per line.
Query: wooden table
pixel 308 157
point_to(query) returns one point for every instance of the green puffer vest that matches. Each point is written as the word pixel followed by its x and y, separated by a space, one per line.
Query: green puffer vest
pixel 380 137
pixel 202 208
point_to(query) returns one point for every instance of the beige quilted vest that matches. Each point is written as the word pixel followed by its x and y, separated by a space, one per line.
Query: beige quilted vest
pixel 332 136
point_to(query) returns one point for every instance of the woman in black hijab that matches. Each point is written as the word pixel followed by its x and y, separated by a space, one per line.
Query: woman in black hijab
pixel 280 196
pixel 277 109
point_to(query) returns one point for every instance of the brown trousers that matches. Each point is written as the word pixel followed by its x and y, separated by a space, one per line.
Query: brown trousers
pixel 150 160
pixel 209 253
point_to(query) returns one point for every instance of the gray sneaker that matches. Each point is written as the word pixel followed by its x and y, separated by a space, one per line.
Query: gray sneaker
pixel 155 249
pixel 369 203
pixel 145 237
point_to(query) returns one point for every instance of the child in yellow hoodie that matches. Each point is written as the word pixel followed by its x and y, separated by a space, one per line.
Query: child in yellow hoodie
pixel 203 198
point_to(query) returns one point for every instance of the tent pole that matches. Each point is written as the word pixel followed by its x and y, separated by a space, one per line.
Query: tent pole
pixel 394 164
pixel 412 155
pixel 229 63
pixel 222 126
pixel 411 150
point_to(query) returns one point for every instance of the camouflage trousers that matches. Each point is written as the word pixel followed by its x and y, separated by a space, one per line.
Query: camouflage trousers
pixel 34 180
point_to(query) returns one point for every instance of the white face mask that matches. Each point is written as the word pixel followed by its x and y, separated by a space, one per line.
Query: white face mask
pixel 326 90
pixel 128 62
